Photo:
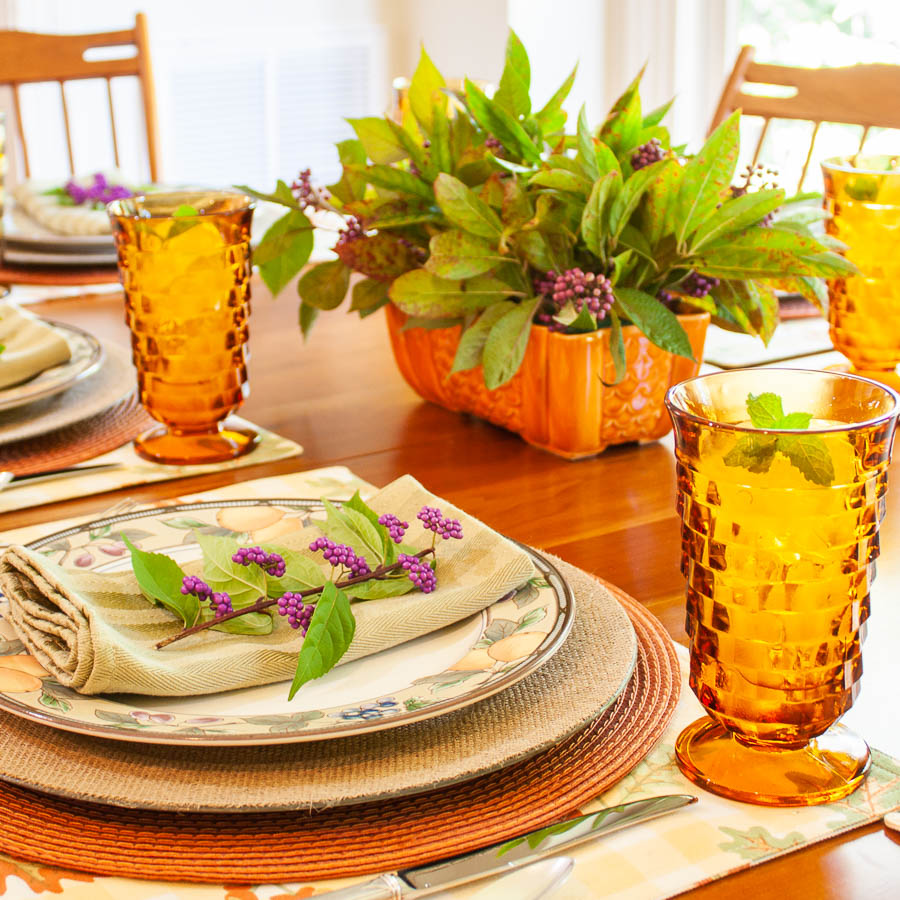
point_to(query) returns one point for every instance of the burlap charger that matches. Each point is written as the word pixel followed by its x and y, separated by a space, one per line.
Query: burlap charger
pixel 374 837
pixel 572 689
pixel 96 633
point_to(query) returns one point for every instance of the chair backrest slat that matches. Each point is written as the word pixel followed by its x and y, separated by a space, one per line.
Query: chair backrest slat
pixel 28 58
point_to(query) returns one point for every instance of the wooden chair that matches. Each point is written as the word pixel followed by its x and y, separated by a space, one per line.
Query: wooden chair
pixel 866 95
pixel 27 58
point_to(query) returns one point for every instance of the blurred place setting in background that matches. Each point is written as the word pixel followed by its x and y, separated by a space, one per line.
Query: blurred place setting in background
pixel 444 449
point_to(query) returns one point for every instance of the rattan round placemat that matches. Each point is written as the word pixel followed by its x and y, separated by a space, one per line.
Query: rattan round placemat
pixel 360 839
pixel 79 442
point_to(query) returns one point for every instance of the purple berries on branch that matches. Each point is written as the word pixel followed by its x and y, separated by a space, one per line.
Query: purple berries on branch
pixel 433 520
pixel 298 613
pixel 697 285
pixel 582 289
pixel 341 555
pixel 395 527
pixel 647 154
pixel 219 603
pixel 420 573
pixel 271 563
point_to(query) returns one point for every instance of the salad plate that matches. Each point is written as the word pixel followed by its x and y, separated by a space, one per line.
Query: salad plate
pixel 435 674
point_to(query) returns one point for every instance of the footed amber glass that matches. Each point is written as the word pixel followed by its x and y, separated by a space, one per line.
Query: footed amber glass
pixel 184 261
pixel 779 540
pixel 862 199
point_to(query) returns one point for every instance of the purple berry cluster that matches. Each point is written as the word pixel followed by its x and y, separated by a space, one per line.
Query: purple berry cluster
pixel 220 603
pixel 647 154
pixel 582 288
pixel 419 572
pixel 433 520
pixel 395 527
pixel 98 193
pixel 352 230
pixel 697 285
pixel 303 191
pixel 298 613
pixel 272 563
pixel 341 555
pixel 493 144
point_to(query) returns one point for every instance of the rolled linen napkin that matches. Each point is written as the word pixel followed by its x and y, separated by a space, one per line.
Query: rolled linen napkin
pixel 46 210
pixel 29 346
pixel 96 633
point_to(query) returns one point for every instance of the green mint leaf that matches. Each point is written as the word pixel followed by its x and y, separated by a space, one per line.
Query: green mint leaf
pixel 329 635
pixel 244 584
pixel 284 250
pixel 753 452
pixel 505 346
pixel 381 588
pixel 185 210
pixel 470 351
pixel 159 578
pixel 765 410
pixel 325 285
pixel 797 421
pixel 810 455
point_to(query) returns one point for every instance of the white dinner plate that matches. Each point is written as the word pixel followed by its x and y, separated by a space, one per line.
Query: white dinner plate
pixel 86 358
pixel 21 232
pixel 52 258
pixel 435 674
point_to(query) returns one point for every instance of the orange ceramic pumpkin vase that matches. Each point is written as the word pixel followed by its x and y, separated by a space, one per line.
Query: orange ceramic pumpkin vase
pixel 557 400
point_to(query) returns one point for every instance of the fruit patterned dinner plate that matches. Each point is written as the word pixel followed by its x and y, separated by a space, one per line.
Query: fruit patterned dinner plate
pixel 432 675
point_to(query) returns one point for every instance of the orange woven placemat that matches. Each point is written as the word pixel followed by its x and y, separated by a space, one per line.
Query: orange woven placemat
pixel 356 840
pixel 63 276
pixel 78 442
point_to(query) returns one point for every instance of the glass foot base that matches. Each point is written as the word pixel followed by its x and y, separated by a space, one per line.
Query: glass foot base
pixel 888 377
pixel 160 445
pixel 828 768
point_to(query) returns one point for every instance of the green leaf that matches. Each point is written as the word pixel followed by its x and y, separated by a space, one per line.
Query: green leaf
pixel 735 215
pixel 277 197
pixel 328 637
pixel 765 410
pixel 254 623
pixel 810 455
pixel 185 210
pixel 470 351
pixel 586 157
pixel 419 293
pixel 379 588
pixel 394 180
pixel 426 92
pixel 498 122
pixel 660 202
pixel 515 82
pixel 617 347
pixel 388 552
pixel 350 187
pixel 378 139
pixel 284 250
pixel 325 285
pixel 371 535
pixel 350 527
pixel 654 117
pixel 707 176
pixel 551 116
pixel 656 321
pixel 159 578
pixel 430 324
pixel 413 148
pixel 244 584
pixel 562 180
pixel 798 421
pixel 441 153
pixel 606 159
pixel 633 189
pixel 592 230
pixel 583 323
pixel 505 346
pixel 458 254
pixel 623 124
pixel 300 572
pixel 753 452
pixel 465 208
pixel 634 239
pixel 369 294
pixel 550 250
pixel 307 316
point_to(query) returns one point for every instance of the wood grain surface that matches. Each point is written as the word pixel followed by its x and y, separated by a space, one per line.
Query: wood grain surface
pixel 341 397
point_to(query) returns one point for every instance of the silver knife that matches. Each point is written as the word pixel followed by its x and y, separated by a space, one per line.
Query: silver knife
pixel 410 884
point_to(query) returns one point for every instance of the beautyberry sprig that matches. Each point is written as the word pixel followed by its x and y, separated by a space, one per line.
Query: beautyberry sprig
pixel 647 154
pixel 271 563
pixel 395 527
pixel 219 603
pixel 341 555
pixel 697 285
pixel 298 613
pixel 589 289
pixel 419 572
pixel 433 520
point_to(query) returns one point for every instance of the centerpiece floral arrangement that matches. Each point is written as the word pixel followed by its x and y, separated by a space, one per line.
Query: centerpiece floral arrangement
pixel 486 212
pixel 243 587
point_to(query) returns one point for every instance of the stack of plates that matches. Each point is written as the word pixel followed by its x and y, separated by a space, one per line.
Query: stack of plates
pixel 25 242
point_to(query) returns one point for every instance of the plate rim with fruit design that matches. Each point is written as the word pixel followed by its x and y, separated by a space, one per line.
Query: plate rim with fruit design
pixel 544 605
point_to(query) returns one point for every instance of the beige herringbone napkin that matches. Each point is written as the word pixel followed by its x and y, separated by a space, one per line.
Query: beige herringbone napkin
pixel 96 633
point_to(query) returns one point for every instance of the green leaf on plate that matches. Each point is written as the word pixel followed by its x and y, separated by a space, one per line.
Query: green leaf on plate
pixel 159 578
pixel 244 584
pixel 328 637
pixel 357 503
pixel 380 588
pixel 300 572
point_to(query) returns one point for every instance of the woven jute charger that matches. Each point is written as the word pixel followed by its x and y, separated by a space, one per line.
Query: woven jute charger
pixel 78 442
pixel 347 840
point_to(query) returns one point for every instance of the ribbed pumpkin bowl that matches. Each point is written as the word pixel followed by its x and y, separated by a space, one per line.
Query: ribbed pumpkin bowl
pixel 557 400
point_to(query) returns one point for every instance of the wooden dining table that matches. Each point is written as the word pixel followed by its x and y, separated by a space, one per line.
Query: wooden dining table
pixel 340 395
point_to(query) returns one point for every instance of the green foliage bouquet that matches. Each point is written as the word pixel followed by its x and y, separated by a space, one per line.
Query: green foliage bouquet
pixel 485 212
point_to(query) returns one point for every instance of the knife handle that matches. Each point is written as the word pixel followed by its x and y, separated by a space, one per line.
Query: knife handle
pixel 384 887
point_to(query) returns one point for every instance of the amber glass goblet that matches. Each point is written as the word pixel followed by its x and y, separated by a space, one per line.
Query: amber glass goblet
pixel 779 526
pixel 862 199
pixel 184 262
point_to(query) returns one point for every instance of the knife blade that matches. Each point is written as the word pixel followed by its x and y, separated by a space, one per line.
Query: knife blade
pixel 420 881
pixel 9 481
